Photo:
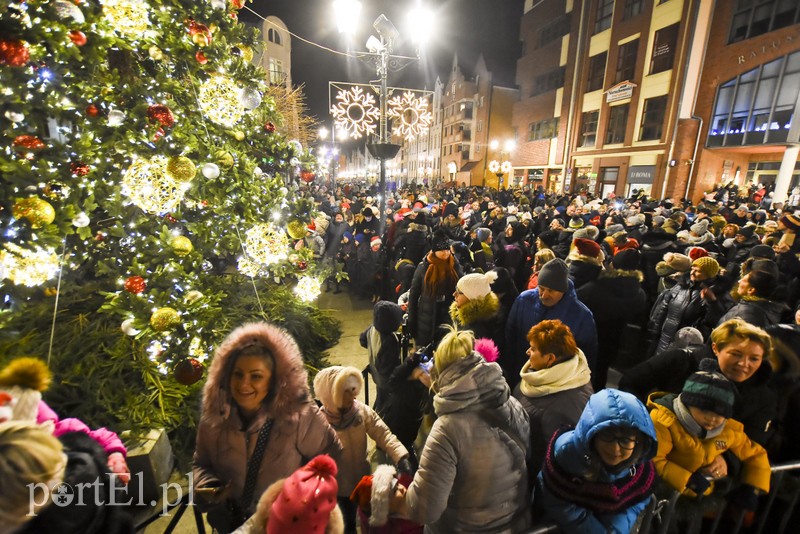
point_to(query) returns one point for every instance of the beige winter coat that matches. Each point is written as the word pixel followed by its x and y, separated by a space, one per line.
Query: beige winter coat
pixel 299 432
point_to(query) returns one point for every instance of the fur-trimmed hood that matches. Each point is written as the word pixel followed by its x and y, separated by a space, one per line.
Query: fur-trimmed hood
pixel 331 383
pixel 621 273
pixel 476 310
pixel 289 383
pixel 414 227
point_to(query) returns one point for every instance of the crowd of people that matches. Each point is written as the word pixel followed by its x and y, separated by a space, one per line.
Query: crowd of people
pixel 497 316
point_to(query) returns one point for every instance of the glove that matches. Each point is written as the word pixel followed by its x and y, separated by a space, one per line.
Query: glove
pixel 404 467
pixel 744 497
pixel 118 465
pixel 698 483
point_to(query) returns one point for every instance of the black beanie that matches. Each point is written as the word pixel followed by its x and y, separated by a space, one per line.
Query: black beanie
pixel 747 231
pixel 549 237
pixel 762 251
pixel 450 209
pixel 387 316
pixel 555 275
pixel 627 259
pixel 440 241
pixel 710 391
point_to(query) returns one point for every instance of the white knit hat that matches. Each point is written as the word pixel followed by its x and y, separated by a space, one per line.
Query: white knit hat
pixel 476 285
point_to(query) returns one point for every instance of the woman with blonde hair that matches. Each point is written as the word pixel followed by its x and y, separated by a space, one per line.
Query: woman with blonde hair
pixel 539 259
pixel 473 474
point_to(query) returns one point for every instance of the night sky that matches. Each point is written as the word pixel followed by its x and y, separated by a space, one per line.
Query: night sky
pixel 465 27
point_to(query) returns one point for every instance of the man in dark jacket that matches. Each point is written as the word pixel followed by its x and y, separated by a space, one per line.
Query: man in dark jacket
pixel 555 298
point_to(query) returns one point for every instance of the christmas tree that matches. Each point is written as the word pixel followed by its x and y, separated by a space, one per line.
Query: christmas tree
pixel 147 195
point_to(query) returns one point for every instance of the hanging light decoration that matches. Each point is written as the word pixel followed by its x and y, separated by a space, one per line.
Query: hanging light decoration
pixel 264 244
pixel 219 101
pixel 128 17
pixel 308 288
pixel 28 267
pixel 149 186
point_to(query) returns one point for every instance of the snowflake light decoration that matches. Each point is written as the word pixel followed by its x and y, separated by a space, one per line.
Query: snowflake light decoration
pixel 355 112
pixel 413 117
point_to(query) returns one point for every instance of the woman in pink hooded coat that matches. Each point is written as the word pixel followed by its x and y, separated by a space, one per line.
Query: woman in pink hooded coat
pixel 256 392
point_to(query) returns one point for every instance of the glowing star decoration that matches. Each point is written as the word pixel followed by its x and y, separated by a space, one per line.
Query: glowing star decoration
pixel 355 112
pixel 413 117
pixel 264 245
pixel 147 184
pixel 128 17
pixel 506 167
pixel 28 267
pixel 494 166
pixel 219 101
pixel 308 288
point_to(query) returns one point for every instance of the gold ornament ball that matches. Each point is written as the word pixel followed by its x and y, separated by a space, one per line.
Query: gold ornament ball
pixel 193 296
pixel 247 53
pixel 200 39
pixel 224 159
pixel 238 135
pixel 296 229
pixel 165 319
pixel 181 169
pixel 38 212
pixel 181 245
pixel 155 53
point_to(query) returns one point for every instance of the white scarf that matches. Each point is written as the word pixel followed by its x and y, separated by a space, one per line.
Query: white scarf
pixel 569 374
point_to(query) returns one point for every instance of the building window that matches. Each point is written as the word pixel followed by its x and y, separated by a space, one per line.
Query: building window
pixel 549 81
pixel 653 118
pixel 276 75
pixel 554 30
pixel 545 129
pixel 632 8
pixel 757 17
pixel 597 72
pixel 666 39
pixel 274 36
pixel 626 61
pixel 756 107
pixel 605 12
pixel 617 119
pixel 589 128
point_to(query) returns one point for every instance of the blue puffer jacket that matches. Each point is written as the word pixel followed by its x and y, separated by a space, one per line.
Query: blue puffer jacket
pixel 574 454
pixel 529 311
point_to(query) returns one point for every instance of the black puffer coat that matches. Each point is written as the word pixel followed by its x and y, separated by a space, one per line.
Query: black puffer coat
pixel 759 312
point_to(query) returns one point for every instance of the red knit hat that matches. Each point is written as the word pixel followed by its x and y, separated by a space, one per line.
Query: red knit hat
pixel 307 499
pixel 587 247
pixel 696 252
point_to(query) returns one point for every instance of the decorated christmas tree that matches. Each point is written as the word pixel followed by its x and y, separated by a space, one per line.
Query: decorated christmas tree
pixel 148 204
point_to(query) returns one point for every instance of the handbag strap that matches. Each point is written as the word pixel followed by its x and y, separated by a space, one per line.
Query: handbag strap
pixel 254 464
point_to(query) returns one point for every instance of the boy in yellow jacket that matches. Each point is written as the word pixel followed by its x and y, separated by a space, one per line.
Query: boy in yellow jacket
pixel 694 429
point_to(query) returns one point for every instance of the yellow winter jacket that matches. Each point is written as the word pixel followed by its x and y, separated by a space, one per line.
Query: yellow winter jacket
pixel 680 454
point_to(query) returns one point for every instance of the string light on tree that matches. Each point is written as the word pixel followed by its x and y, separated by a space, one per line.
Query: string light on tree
pixel 149 186
pixel 128 17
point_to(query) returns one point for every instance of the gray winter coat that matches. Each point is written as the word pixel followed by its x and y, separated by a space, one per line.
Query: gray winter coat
pixel 473 473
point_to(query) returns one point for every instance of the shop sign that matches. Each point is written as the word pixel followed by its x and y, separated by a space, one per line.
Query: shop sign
pixel 641 174
pixel 621 91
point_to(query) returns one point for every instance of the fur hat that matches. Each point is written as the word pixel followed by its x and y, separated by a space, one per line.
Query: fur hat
pixel 710 391
pixel 627 260
pixel 678 262
pixel 555 275
pixel 476 285
pixel 24 380
pixel 387 316
pixel 707 265
pixel 331 383
pixel 699 228
pixel 576 222
pixel 786 344
pixel 440 241
pixel 686 336
pixel 790 221
pixel 620 238
pixel 483 234
pixel 586 248
pixel 696 252
pixel 306 499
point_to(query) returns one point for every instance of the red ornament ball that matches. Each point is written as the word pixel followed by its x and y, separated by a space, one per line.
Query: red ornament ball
pixel 79 168
pixel 28 142
pixel 307 176
pixel 269 127
pixel 188 371
pixel 201 57
pixel 170 218
pixel 92 110
pixel 161 114
pixel 237 4
pixel 77 37
pixel 14 52
pixel 302 265
pixel 135 285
